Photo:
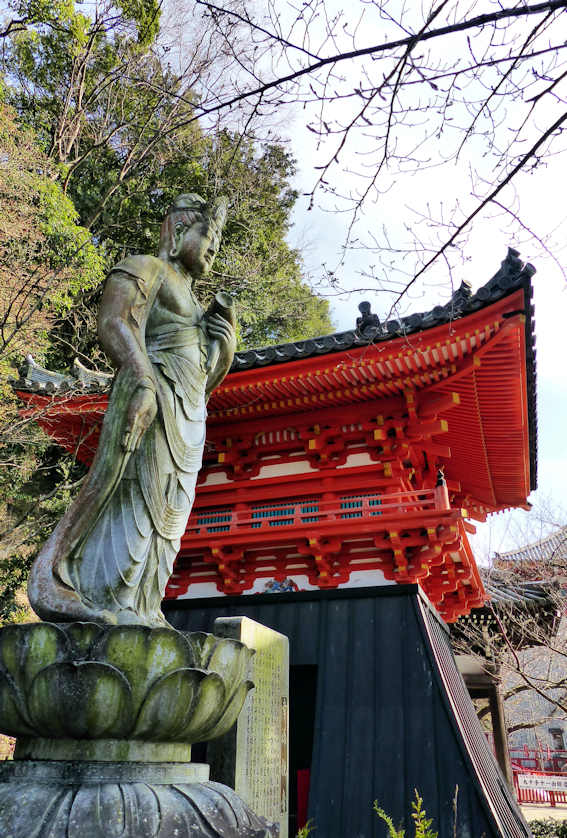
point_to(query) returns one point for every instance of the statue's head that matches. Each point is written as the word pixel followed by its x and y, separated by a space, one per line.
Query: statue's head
pixel 190 232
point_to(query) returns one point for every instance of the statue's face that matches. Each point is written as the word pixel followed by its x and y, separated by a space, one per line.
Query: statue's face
pixel 197 246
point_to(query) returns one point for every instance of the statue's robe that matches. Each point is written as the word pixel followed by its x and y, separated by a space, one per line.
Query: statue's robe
pixel 111 555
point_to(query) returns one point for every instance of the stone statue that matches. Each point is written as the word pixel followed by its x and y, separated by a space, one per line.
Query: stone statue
pixel 105 697
pixel 111 555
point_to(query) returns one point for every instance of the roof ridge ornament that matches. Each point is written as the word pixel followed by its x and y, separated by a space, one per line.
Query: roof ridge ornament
pixel 368 321
pixel 460 297
pixel 35 378
pixel 511 270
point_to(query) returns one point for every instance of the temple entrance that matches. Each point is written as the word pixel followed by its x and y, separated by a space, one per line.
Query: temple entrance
pixel 302 702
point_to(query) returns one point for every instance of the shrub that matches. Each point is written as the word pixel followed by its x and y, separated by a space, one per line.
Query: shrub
pixel 422 823
pixel 549 828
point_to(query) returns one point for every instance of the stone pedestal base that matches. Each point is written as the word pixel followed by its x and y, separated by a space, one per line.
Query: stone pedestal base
pixel 105 717
pixel 79 799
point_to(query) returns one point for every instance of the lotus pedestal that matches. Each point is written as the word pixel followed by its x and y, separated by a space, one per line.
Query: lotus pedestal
pixel 105 718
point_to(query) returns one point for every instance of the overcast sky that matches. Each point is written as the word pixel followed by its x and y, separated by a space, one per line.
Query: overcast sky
pixel 317 233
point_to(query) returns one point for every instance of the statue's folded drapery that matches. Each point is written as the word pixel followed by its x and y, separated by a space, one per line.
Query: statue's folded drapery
pixel 113 551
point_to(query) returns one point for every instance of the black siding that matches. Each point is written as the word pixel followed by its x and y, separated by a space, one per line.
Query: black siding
pixel 392 715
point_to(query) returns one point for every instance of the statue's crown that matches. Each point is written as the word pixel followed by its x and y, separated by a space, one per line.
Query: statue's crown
pixel 191 202
pixel 195 203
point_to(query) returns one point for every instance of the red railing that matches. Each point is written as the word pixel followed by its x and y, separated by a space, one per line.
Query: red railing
pixel 308 511
pixel 538 759
pixel 544 796
pixel 541 767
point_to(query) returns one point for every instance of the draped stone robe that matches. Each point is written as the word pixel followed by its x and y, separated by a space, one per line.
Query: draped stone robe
pixel 112 553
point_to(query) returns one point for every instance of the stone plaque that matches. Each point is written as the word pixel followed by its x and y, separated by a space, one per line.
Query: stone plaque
pixel 253 757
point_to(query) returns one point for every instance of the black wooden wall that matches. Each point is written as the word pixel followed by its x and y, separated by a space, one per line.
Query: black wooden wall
pixel 392 713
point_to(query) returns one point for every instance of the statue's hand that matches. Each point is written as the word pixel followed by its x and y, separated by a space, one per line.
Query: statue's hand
pixel 223 331
pixel 141 413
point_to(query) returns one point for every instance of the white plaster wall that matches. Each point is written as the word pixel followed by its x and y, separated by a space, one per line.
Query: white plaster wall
pixel 358 579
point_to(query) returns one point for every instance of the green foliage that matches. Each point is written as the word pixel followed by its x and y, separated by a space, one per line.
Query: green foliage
pixel 422 823
pixel 549 828
pixel 46 257
pixel 255 263
pixel 306 830
pixel 69 247
pixel 103 141
pixel 13 575
pixel 61 63
pixel 37 483
pixel 33 12
pixel 119 124
pixel 392 831
pixel 144 15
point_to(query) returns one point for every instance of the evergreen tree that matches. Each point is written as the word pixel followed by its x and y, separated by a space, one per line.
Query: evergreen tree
pixel 96 139
pixel 118 122
pixel 46 259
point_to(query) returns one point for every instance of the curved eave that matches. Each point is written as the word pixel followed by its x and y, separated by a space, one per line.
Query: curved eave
pixel 512 278
pixel 551 549
pixel 483 358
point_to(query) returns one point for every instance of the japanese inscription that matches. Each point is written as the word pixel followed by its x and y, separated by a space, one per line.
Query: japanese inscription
pixel 253 757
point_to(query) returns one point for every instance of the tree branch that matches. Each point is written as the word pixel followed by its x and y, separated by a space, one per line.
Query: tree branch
pixel 496 191
pixel 473 23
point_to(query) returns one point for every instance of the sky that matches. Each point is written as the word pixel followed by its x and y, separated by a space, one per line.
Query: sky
pixel 538 200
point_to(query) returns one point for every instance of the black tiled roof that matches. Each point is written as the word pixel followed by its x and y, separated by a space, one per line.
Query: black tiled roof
pixel 509 602
pixel 551 549
pixel 512 275
pixel 503 592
